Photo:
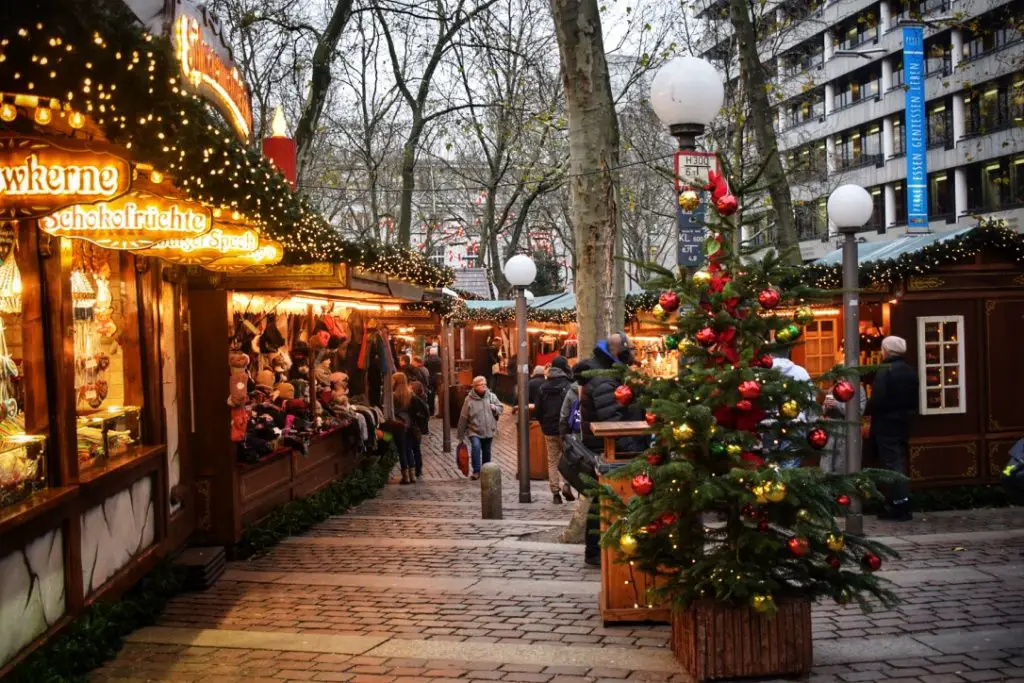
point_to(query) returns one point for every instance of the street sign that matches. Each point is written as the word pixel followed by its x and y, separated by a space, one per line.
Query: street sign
pixel 917 144
pixel 693 167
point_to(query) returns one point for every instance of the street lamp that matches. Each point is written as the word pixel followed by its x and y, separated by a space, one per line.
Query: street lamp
pixel 687 94
pixel 520 271
pixel 850 207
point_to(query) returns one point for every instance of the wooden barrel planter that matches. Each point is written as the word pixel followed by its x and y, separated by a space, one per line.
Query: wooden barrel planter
pixel 713 640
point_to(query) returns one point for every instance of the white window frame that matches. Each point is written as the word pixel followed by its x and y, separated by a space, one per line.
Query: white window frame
pixel 922 367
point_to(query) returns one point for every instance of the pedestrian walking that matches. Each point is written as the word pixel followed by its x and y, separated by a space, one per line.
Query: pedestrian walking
pixel 547 410
pixel 784 364
pixel 479 422
pixel 419 412
pixel 892 407
pixel 535 383
pixel 433 365
pixel 402 400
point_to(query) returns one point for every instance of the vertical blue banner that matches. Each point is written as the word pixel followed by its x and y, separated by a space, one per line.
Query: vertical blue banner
pixel 916 120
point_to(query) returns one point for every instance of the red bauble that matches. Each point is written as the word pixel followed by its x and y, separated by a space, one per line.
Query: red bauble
pixel 654 527
pixel 843 500
pixel 843 390
pixel 763 525
pixel 642 484
pixel 744 405
pixel 750 389
pixel 765 362
pixel 669 301
pixel 769 298
pixel 653 458
pixel 871 562
pixel 651 418
pixel 751 512
pixel 833 561
pixel 706 337
pixel 668 519
pixel 799 546
pixel 727 205
pixel 753 458
pixel 624 395
pixel 817 437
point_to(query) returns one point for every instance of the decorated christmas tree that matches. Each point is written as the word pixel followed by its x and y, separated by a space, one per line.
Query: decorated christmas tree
pixel 720 510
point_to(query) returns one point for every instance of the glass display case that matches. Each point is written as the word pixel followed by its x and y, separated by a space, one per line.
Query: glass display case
pixel 107 434
pixel 22 467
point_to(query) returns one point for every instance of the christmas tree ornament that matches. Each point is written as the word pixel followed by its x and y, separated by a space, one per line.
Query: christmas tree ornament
pixel 668 518
pixel 803 514
pixel 753 458
pixel 776 492
pixel 734 449
pixel 833 561
pixel 653 458
pixel 765 361
pixel 706 336
pixel 659 313
pixel 760 494
pixel 628 544
pixel 689 200
pixel 817 437
pixel 650 418
pixel 798 545
pixel 717 449
pixel 803 315
pixel 843 390
pixel 789 410
pixel 654 527
pixel 623 395
pixel 843 500
pixel 744 405
pixel 727 205
pixel 762 603
pixel 768 298
pixel 750 389
pixel 671 342
pixel 683 432
pixel 642 484
pixel 750 512
pixel 669 301
pixel 701 277
pixel 844 596
pixel 763 525
pixel 871 561
pixel 788 333
pixel 835 542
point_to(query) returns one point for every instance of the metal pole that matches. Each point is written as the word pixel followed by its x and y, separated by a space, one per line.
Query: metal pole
pixel 446 422
pixel 851 330
pixel 522 370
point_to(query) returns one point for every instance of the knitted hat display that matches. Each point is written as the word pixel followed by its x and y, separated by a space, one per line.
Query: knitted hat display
pixel 265 378
pixel 285 390
pixel 271 340
pixel 238 388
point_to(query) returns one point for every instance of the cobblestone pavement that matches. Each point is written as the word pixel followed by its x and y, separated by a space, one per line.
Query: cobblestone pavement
pixel 413 587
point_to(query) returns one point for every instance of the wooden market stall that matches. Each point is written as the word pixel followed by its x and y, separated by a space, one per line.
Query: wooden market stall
pixel 958 300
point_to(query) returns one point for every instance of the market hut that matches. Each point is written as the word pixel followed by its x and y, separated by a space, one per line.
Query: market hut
pixel 958 300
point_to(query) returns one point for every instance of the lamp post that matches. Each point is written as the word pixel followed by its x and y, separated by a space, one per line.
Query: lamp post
pixel 850 207
pixel 520 271
pixel 687 94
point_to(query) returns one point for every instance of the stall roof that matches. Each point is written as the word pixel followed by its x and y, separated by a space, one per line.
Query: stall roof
pixel 474 281
pixel 548 302
pixel 892 249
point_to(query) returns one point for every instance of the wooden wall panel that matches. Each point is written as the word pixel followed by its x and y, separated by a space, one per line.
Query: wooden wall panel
pixel 946 462
pixel 1004 326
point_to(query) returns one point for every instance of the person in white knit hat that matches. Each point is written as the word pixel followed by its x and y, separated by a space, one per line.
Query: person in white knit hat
pixel 892 407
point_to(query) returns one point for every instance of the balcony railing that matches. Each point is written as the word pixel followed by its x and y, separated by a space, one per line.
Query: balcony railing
pixel 940 141
pixel 860 161
pixel 811 231
pixel 813 174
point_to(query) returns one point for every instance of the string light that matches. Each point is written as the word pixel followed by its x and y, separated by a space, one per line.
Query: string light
pixel 43 116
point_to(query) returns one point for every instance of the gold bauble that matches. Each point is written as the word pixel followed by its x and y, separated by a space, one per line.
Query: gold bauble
pixel 803 514
pixel 659 313
pixel 762 603
pixel 683 432
pixel 789 410
pixel 689 200
pixel 803 315
pixel 775 492
pixel 835 542
pixel 628 544
pixel 760 493
pixel 734 449
pixel 701 277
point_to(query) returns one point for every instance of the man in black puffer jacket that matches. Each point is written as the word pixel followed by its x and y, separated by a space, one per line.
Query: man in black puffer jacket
pixel 547 409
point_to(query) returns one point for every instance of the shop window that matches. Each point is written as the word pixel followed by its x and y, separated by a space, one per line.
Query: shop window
pixel 899 138
pixel 940 353
pixel 107 366
pixel 23 419
pixel 901 203
pixel 820 345
pixel 940 202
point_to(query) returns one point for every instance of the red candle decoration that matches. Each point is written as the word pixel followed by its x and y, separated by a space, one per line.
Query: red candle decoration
pixel 281 150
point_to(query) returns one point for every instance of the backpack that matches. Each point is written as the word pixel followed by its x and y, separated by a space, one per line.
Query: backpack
pixel 575 418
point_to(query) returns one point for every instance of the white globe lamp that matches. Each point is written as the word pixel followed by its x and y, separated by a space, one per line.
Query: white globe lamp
pixel 850 207
pixel 687 93
pixel 520 271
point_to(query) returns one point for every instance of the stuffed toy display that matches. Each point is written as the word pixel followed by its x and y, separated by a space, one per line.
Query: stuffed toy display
pixel 238 386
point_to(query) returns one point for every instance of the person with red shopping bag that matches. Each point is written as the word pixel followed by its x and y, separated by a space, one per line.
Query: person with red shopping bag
pixel 479 422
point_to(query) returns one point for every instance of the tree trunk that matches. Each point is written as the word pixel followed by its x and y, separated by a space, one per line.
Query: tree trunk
pixel 408 184
pixel 593 157
pixel 320 84
pixel 754 82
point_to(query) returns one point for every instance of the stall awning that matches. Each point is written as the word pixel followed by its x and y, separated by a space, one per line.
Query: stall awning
pixel 892 249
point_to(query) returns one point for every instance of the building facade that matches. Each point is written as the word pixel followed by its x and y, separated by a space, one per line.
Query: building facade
pixel 839 93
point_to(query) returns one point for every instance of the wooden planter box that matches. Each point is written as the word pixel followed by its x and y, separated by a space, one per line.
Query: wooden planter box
pixel 538 453
pixel 712 640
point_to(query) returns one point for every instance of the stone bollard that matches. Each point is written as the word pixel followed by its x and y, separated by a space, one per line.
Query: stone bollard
pixel 490 491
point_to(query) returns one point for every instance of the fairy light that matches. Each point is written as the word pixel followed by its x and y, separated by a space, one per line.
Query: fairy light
pixel 43 116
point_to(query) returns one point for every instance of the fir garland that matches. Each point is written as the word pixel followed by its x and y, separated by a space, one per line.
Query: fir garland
pixel 92 56
pixel 991 233
pixel 635 304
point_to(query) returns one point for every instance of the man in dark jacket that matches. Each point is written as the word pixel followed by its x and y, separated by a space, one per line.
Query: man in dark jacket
pixel 892 406
pixel 547 409
pixel 433 365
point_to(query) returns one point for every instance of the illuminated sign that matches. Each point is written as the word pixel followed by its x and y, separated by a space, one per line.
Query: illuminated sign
pixel 38 177
pixel 268 254
pixel 212 75
pixel 136 221
pixel 223 241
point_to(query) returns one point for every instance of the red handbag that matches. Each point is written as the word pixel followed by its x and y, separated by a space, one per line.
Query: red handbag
pixel 462 458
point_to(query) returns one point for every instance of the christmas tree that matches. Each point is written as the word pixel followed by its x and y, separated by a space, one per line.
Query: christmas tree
pixel 719 512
